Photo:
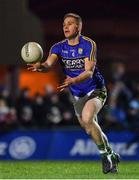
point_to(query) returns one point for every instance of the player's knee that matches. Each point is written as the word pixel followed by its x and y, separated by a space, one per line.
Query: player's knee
pixel 87 118
pixel 88 122
pixel 88 126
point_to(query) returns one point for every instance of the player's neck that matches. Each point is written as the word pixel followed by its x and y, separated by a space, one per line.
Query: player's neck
pixel 74 41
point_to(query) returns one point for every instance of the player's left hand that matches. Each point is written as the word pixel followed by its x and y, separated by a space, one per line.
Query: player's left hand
pixel 67 82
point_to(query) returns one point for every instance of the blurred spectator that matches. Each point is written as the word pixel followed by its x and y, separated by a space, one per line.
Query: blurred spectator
pixel 68 110
pixel 7 114
pixel 64 97
pixel 120 93
pixel 133 120
pixel 135 89
pixel 49 90
pixel 118 71
pixel 55 109
pixel 4 111
pixel 69 117
pixel 54 113
pixel 40 110
pixel 119 96
pixel 133 115
pixel 5 94
pixel 24 108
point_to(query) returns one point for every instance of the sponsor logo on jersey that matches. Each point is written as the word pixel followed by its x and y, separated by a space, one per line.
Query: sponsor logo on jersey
pixel 73 64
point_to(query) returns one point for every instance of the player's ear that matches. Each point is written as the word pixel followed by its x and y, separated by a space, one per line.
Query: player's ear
pixel 80 27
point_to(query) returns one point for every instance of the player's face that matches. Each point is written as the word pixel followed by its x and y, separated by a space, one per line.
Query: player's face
pixel 70 27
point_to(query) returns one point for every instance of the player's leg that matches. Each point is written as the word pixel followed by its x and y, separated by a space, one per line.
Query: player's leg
pixel 88 114
pixel 91 126
pixel 98 136
pixel 108 147
pixel 90 109
pixel 115 157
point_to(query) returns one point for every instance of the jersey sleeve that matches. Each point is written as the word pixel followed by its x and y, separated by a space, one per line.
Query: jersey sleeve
pixel 90 50
pixel 55 49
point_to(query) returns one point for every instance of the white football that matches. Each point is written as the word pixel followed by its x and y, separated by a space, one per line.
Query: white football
pixel 32 52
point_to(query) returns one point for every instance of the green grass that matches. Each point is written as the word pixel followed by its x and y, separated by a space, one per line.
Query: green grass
pixel 64 170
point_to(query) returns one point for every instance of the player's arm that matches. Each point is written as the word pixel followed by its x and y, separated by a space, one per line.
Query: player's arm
pixel 90 62
pixel 45 66
pixel 88 73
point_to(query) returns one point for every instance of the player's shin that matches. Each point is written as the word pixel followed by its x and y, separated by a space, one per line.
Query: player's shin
pixel 94 130
pixel 107 145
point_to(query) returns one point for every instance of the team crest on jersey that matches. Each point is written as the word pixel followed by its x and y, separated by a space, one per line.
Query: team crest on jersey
pixel 80 50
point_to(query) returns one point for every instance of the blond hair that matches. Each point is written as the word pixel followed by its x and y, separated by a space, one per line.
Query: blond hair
pixel 76 16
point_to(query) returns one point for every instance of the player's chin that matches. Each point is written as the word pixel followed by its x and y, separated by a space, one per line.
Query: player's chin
pixel 67 35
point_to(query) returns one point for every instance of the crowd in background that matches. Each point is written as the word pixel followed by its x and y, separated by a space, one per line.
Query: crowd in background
pixel 121 110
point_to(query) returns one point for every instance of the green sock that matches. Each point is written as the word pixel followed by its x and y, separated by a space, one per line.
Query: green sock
pixel 109 149
pixel 102 150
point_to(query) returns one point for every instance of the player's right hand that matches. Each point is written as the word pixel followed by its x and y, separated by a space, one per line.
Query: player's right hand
pixel 34 67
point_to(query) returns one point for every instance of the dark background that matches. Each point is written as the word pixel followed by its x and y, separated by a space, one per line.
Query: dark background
pixel 112 24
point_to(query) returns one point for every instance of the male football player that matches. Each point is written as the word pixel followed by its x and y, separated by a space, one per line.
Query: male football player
pixel 77 55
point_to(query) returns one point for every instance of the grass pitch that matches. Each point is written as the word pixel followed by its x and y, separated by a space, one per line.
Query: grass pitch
pixel 64 170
